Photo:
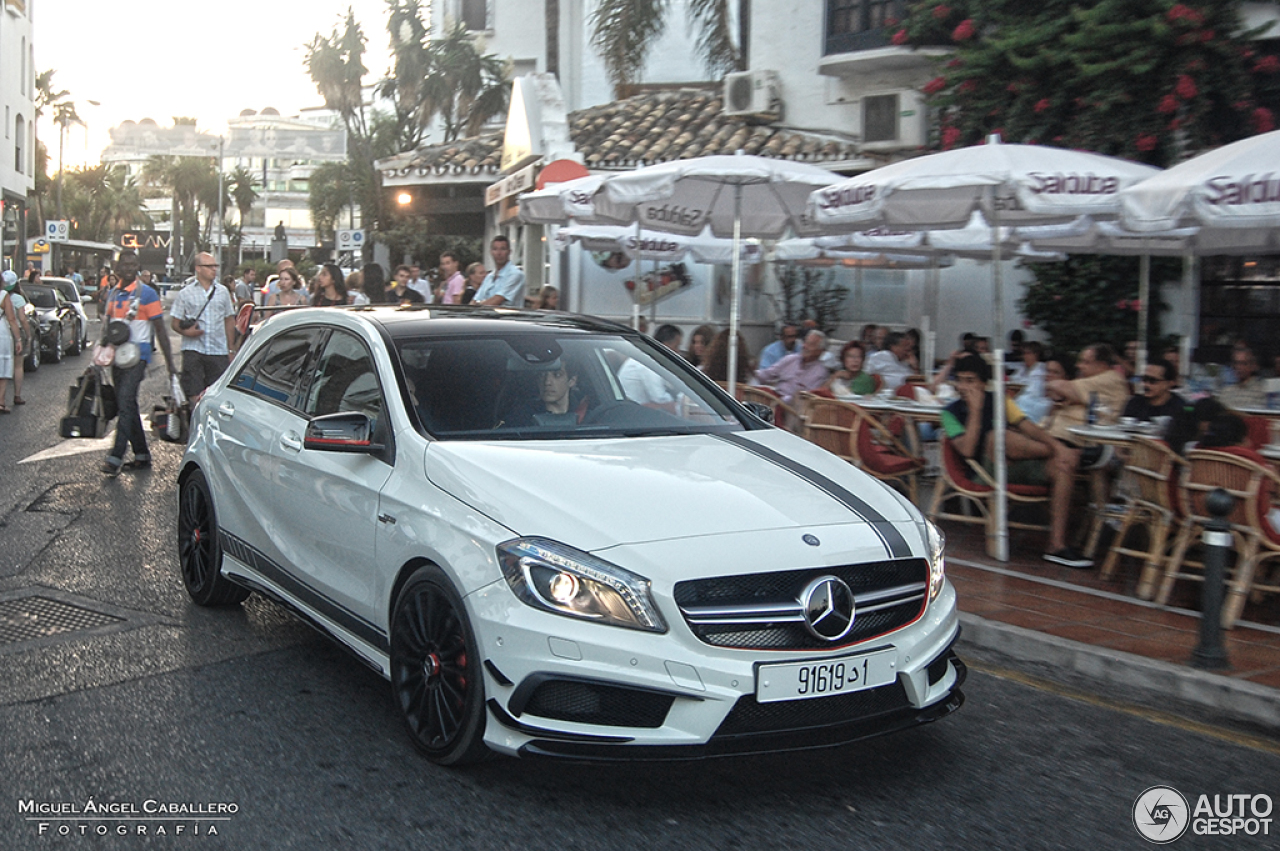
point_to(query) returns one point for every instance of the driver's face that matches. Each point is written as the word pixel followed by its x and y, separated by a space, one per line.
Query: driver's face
pixel 554 385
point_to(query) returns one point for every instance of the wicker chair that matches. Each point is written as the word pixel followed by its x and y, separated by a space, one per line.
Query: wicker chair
pixel 784 416
pixel 966 479
pixel 1255 486
pixel 855 435
pixel 1155 470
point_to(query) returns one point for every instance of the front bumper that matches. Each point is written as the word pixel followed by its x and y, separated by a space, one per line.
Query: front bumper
pixel 560 687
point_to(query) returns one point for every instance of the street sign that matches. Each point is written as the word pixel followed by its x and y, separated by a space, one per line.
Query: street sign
pixel 57 230
pixel 350 240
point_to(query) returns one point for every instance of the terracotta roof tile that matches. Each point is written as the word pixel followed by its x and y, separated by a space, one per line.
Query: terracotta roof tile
pixel 640 130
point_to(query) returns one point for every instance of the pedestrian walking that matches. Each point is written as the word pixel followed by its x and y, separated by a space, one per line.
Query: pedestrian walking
pixel 204 316
pixel 138 306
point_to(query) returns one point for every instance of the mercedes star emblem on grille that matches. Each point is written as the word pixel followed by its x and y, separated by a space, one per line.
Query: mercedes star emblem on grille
pixel 828 608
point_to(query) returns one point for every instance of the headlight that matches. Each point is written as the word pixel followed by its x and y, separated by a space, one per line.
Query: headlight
pixel 557 578
pixel 935 543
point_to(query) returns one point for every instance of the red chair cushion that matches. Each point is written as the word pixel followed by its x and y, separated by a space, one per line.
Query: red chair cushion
pixel 1259 429
pixel 1266 490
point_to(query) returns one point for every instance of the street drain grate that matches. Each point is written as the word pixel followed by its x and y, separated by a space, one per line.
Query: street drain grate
pixel 28 618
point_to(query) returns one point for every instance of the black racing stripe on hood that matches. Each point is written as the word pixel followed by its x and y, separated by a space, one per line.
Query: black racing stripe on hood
pixel 893 541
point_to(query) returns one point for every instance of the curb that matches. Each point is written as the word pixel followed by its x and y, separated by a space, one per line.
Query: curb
pixel 1150 679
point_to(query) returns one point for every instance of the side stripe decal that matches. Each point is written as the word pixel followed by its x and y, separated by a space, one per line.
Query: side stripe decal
pixel 340 615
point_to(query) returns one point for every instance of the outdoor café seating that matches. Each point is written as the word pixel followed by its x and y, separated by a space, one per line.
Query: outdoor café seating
pixel 962 478
pixel 1255 486
pixel 850 432
pixel 1154 471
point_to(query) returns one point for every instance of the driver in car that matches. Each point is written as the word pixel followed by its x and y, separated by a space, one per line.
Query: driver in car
pixel 556 403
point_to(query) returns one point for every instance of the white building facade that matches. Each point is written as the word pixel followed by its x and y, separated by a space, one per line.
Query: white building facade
pixel 18 145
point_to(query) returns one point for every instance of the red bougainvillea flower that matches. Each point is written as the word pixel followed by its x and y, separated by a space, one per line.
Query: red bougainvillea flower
pixel 1012 88
pixel 1267 65
pixel 1207 36
pixel 1168 103
pixel 1146 142
pixel 1181 12
pixel 941 11
pixel 1175 124
pixel 1122 304
pixel 1264 120
pixel 955 63
pixel 900 37
pixel 1135 305
pixel 934 86
pixel 1027 323
pixel 968 87
pixel 964 31
pixel 1042 104
pixel 1186 87
pixel 950 135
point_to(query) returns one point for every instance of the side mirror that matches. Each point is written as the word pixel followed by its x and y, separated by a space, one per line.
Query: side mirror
pixel 762 411
pixel 342 432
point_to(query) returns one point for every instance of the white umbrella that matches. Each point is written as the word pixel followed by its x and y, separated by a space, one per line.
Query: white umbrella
pixel 1235 187
pixel 738 196
pixel 656 245
pixel 557 203
pixel 1011 185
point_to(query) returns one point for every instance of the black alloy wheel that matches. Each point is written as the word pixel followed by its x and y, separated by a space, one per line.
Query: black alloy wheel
pixel 199 550
pixel 436 675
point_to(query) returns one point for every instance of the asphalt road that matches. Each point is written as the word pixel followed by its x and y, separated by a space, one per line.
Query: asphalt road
pixel 165 703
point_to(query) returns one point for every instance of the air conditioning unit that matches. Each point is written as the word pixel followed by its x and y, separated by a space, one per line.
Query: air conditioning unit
pixel 752 93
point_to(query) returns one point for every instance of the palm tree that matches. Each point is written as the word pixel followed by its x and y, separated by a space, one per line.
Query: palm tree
pixel 102 201
pixel 193 183
pixel 242 184
pixel 623 31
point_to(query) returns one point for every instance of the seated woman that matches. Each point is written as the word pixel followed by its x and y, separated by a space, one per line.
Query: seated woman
pixel 850 379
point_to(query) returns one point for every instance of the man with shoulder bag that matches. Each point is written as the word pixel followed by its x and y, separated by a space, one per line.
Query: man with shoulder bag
pixel 204 315
pixel 135 315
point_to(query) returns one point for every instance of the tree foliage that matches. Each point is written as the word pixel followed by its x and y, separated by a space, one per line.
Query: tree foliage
pixel 102 201
pixel 808 293
pixel 624 32
pixel 1152 80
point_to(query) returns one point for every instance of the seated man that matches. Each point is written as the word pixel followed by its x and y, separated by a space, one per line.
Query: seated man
pixel 644 386
pixel 969 423
pixel 1105 390
pixel 788 343
pixel 1158 398
pixel 1249 391
pixel 798 372
pixel 893 363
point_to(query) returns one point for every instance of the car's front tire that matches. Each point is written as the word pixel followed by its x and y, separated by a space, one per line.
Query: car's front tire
pixel 199 550
pixel 34 354
pixel 77 345
pixel 56 355
pixel 436 675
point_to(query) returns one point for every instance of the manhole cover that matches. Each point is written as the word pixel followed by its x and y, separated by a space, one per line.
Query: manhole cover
pixel 28 618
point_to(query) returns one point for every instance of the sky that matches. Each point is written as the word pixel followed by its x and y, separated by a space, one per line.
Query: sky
pixel 161 58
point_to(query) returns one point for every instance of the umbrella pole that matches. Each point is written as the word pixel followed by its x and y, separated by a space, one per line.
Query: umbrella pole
pixel 1144 295
pixel 635 294
pixel 1001 551
pixel 737 284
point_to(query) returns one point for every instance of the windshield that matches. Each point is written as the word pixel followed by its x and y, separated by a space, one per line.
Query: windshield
pixel 42 297
pixel 553 386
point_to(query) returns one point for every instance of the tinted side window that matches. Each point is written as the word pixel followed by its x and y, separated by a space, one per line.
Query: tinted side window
pixel 345 380
pixel 274 371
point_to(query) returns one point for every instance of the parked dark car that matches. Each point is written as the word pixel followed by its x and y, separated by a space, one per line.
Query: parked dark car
pixel 60 328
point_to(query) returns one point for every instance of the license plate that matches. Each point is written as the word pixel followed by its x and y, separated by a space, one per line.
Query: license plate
pixel 805 680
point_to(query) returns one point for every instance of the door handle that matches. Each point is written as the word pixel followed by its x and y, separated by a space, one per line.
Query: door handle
pixel 291 441
pixel 227 409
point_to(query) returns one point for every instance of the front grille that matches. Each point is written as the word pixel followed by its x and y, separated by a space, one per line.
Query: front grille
pixel 763 611
pixel 750 717
pixel 595 703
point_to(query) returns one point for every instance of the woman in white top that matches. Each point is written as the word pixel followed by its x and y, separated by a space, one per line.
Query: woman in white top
pixel 291 292
pixel 10 338
pixel 1031 375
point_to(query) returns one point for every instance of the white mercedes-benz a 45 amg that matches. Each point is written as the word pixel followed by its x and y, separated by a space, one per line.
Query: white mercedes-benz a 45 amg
pixel 544 558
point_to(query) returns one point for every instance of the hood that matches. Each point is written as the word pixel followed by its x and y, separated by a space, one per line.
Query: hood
pixel 593 494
